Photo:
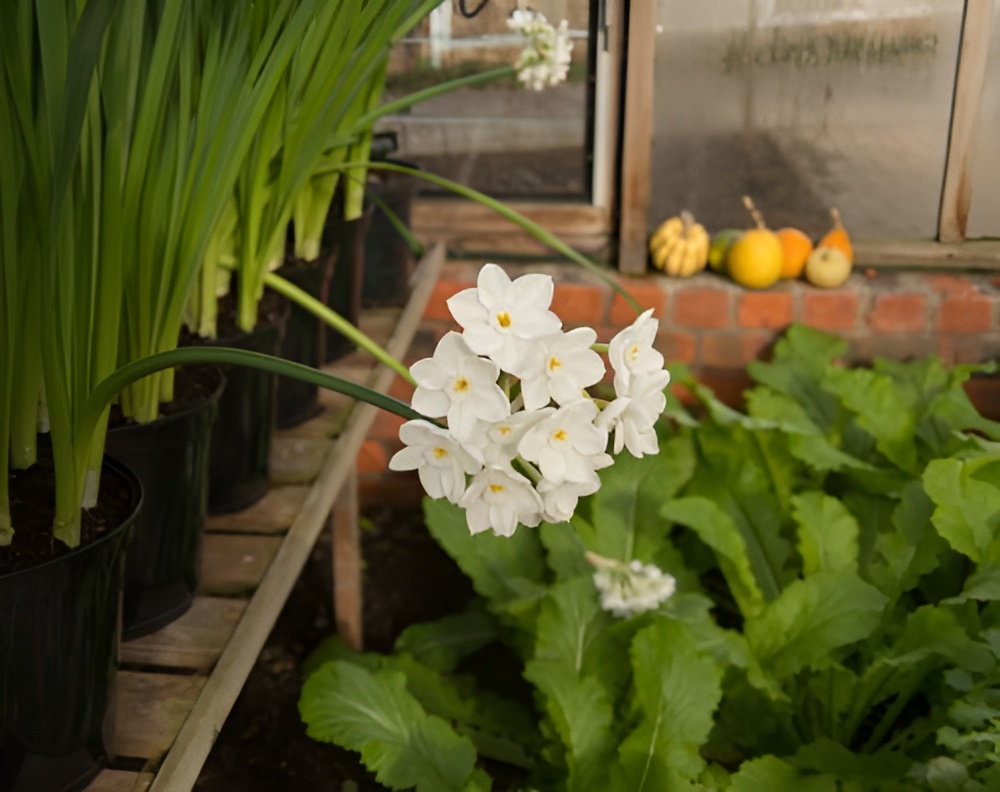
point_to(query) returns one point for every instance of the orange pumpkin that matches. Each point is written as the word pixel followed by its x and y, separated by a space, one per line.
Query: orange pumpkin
pixel 837 237
pixel 796 246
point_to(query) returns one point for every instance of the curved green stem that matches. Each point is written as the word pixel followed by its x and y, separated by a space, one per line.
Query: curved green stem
pixel 429 93
pixel 518 219
pixel 336 321
pixel 108 388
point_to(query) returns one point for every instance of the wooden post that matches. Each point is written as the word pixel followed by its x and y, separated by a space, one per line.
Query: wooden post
pixel 346 543
pixel 637 137
pixel 956 195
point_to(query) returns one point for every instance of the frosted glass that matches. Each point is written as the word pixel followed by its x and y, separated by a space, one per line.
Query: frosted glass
pixel 804 105
pixel 984 214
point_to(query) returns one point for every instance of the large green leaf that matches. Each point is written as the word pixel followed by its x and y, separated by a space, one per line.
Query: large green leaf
pixel 374 714
pixel 828 534
pixel 716 529
pixel 576 667
pixel 443 643
pixel 771 774
pixel 505 570
pixel 677 690
pixel 810 619
pixel 967 511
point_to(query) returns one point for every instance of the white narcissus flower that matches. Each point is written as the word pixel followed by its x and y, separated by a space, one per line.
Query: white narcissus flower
pixel 458 384
pixel 499 441
pixel 544 60
pixel 560 499
pixel 438 458
pixel 500 499
pixel 628 589
pixel 566 444
pixel 632 416
pixel 631 351
pixel 559 367
pixel 502 319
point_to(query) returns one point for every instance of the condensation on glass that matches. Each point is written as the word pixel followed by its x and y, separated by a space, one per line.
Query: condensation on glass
pixel 500 138
pixel 984 213
pixel 804 105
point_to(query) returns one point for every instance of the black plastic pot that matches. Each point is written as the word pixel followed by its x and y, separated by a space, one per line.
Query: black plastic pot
pixel 58 658
pixel 241 437
pixel 170 457
pixel 342 284
pixel 298 400
pixel 388 262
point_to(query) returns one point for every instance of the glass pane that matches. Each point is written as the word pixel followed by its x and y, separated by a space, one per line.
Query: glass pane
pixel 804 105
pixel 500 138
pixel 984 214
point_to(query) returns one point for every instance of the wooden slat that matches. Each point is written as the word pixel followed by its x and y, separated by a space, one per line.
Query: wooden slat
pixel 926 254
pixel 956 197
pixel 181 766
pixel 346 538
pixel 297 460
pixel 120 781
pixel 233 564
pixel 192 642
pixel 153 706
pixel 272 514
pixel 637 138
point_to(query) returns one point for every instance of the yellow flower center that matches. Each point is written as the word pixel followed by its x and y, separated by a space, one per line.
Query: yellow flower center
pixel 633 352
pixel 461 385
pixel 503 319
pixel 559 434
pixel 439 453
pixel 554 363
pixel 496 487
pixel 505 430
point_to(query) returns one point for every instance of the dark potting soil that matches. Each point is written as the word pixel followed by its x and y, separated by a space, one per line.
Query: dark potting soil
pixel 263 745
pixel 32 511
pixel 271 310
pixel 192 385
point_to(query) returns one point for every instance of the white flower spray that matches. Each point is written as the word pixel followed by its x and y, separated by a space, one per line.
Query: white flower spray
pixel 544 60
pixel 632 588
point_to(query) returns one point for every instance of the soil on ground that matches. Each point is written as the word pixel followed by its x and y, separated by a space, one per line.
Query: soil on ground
pixel 263 745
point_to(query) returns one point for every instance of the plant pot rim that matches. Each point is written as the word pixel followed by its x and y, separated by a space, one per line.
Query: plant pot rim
pixel 166 420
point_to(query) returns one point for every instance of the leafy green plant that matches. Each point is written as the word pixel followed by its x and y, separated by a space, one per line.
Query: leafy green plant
pixel 834 624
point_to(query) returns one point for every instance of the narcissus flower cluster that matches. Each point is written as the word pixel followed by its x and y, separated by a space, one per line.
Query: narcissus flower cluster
pixel 544 60
pixel 524 439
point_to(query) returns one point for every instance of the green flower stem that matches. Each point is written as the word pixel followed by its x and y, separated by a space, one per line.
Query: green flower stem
pixel 108 388
pixel 600 349
pixel 518 219
pixel 429 93
pixel 336 321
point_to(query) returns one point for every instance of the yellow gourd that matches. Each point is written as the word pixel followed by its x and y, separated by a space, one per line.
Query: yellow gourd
pixel 837 237
pixel 828 267
pixel 680 246
pixel 756 259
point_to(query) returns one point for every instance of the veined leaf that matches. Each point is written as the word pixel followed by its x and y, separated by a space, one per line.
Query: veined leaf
pixel 374 714
pixel 810 619
pixel 828 534
pixel 443 643
pixel 715 528
pixel 771 774
pixel 677 688
pixel 505 570
pixel 967 511
pixel 565 551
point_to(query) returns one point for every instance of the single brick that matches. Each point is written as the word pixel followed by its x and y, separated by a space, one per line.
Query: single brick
pixel 437 307
pixel 646 292
pixel 771 310
pixel 577 304
pixel 677 346
pixel 386 426
pixel 900 346
pixel 372 458
pixel 836 310
pixel 697 307
pixel 898 313
pixel 722 350
pixel 972 313
pixel 964 348
pixel 728 385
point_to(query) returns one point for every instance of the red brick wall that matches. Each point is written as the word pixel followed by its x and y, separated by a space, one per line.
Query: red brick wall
pixel 717 327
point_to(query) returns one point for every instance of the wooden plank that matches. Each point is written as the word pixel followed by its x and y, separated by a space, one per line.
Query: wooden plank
pixel 297 460
pixel 272 514
pixel 637 138
pixel 120 781
pixel 192 642
pixel 153 706
pixel 449 214
pixel 956 196
pixel 233 564
pixel 181 766
pixel 976 254
pixel 464 242
pixel 346 538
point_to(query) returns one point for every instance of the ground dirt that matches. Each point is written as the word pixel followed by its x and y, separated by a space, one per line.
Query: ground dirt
pixel 263 746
